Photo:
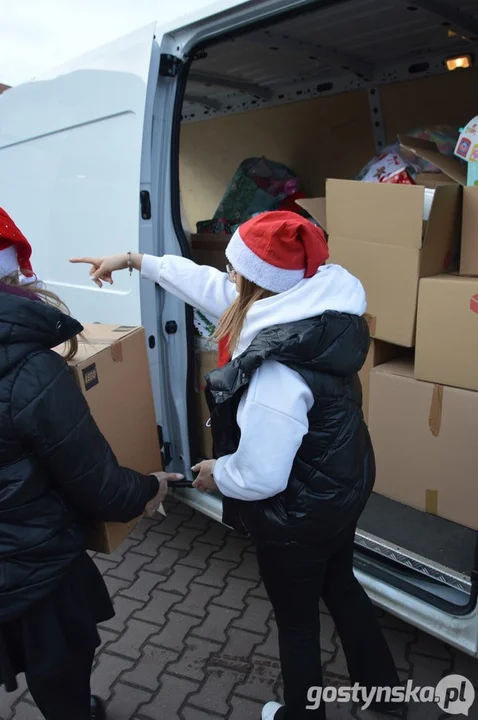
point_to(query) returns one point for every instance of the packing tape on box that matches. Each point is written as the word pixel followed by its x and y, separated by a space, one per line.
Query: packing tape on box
pixel 431 501
pixel 436 407
pixel 372 323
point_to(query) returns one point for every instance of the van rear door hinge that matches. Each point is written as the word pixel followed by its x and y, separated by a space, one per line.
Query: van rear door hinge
pixel 169 65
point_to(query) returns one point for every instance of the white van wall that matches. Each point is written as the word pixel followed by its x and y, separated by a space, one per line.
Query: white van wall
pixel 320 138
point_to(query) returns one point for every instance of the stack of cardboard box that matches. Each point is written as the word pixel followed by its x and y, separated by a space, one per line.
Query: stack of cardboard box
pixel 420 381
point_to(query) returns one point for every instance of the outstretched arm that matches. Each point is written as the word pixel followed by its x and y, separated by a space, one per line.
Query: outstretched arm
pixel 203 287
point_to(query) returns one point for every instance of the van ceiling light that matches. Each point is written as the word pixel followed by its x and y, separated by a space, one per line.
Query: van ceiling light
pixel 460 62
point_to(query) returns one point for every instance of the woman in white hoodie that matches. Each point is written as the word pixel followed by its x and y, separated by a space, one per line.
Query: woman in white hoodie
pixel 294 461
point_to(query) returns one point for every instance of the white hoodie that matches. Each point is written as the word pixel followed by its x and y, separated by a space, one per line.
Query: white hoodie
pixel 273 412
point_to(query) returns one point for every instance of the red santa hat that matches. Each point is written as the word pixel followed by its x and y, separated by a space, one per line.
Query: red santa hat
pixel 15 250
pixel 277 249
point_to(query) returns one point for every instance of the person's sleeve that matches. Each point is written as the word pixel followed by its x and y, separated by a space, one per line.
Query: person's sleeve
pixel 203 287
pixel 52 420
pixel 273 420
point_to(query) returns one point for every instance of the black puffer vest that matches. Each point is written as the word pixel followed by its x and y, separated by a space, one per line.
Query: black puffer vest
pixel 334 470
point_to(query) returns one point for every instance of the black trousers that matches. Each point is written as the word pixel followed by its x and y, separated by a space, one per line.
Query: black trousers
pixel 295 579
pixel 65 696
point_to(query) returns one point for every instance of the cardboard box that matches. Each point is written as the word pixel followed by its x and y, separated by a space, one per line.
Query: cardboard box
pixel 208 249
pixel 457 171
pixel 447 332
pixel 206 361
pixel 469 233
pixel 112 371
pixel 379 353
pixel 424 437
pixel 378 231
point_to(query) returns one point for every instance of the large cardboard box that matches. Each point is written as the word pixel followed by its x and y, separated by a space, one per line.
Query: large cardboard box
pixel 390 236
pixel 206 361
pixel 455 171
pixel 209 249
pixel 112 371
pixel 424 437
pixel 378 233
pixel 447 332
pixel 379 353
pixel 469 234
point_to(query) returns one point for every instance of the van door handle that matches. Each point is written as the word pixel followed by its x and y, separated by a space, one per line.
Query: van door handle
pixel 145 205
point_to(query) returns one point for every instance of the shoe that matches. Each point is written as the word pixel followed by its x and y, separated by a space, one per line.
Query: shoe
pixel 97 708
pixel 269 710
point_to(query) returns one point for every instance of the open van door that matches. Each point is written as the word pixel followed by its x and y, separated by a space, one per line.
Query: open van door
pixel 70 155
pixel 85 171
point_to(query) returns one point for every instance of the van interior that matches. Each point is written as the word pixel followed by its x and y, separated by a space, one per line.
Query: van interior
pixel 323 91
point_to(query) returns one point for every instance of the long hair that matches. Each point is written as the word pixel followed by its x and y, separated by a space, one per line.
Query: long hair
pixel 232 322
pixel 36 291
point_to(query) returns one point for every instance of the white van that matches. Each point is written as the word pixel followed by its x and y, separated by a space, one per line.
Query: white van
pixel 93 157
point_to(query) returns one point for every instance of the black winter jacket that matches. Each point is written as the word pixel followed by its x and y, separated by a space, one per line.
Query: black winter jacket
pixel 334 470
pixel 57 472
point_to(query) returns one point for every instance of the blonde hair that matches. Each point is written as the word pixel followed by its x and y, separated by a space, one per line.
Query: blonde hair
pixel 232 322
pixel 49 297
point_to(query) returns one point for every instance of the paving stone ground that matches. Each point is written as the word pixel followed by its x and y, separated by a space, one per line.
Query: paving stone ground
pixel 194 636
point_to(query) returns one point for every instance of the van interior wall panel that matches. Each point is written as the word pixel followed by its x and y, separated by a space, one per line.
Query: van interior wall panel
pixel 306 137
pixel 318 139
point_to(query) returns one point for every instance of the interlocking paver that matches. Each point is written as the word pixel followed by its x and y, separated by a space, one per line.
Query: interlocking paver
pixel 248 569
pixel 243 709
pixel 215 573
pixel 124 607
pixel 183 540
pixel 194 659
pixel 199 555
pixel 216 690
pixel 125 701
pixel 107 672
pixel 233 549
pixel 155 610
pixel 129 567
pixel 130 643
pixel 179 579
pixel 197 600
pixel 261 680
pixel 194 636
pixel 170 524
pixel 164 561
pixel 240 644
pixel 233 595
pixel 256 615
pixel 147 671
pixel 218 619
pixel 115 585
pixel 142 586
pixel 172 695
pixel 175 630
pixel 151 543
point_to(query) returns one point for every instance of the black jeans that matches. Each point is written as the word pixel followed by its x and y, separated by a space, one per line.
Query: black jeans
pixel 295 579
pixel 66 696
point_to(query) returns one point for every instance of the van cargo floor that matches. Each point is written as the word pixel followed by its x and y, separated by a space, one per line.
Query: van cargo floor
pixel 429 536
